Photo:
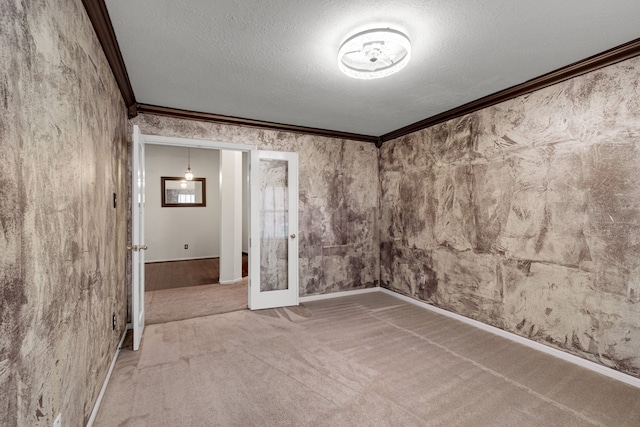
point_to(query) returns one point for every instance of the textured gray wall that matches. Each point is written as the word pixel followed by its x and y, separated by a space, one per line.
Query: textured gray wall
pixel 62 259
pixel 338 208
pixel 526 216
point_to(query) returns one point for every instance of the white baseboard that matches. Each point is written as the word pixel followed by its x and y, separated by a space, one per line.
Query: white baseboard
pixel 96 407
pixel 153 261
pixel 229 282
pixel 587 364
pixel 337 294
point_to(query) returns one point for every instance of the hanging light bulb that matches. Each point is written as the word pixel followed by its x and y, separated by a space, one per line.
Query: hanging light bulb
pixel 188 175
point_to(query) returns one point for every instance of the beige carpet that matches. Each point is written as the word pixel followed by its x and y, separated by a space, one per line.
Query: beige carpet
pixel 168 305
pixel 366 360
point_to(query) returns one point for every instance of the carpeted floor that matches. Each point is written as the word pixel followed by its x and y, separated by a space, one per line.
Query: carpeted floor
pixel 168 305
pixel 179 290
pixel 365 360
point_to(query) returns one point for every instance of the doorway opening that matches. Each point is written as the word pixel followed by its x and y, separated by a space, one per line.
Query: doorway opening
pixel 186 240
pixel 272 223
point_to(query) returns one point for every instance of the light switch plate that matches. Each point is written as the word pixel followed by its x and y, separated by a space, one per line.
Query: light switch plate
pixel 58 421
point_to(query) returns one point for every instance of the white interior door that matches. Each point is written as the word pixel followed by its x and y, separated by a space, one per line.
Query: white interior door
pixel 137 247
pixel 273 278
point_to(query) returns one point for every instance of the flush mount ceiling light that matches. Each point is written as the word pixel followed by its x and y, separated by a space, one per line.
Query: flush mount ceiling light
pixel 376 53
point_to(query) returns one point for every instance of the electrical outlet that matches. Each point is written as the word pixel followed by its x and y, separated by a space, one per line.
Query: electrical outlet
pixel 113 322
pixel 58 421
pixel 186 246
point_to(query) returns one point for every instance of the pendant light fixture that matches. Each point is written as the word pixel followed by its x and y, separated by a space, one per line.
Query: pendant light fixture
pixel 188 175
pixel 374 53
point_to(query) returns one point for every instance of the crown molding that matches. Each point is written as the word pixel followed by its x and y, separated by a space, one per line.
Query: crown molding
pixel 218 118
pixel 608 57
pixel 99 16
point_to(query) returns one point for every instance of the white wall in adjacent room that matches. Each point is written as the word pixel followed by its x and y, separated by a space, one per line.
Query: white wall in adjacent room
pixel 231 214
pixel 245 202
pixel 167 230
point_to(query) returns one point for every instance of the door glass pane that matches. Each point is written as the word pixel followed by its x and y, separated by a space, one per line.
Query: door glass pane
pixel 275 225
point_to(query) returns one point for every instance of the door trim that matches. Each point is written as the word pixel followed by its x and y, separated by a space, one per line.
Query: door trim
pixel 197 143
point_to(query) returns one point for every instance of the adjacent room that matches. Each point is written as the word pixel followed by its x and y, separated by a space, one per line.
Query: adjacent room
pixel 183 223
pixel 429 213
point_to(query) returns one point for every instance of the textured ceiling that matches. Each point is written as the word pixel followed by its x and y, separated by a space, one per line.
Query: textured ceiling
pixel 276 60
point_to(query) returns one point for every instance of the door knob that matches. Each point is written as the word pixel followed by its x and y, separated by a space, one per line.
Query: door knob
pixel 143 248
pixel 293 235
pixel 132 248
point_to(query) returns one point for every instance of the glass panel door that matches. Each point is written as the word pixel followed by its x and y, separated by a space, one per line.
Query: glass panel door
pixel 274 187
pixel 137 233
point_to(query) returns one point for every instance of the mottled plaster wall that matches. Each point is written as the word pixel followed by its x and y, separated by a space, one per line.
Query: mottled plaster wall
pixel 526 216
pixel 338 207
pixel 62 259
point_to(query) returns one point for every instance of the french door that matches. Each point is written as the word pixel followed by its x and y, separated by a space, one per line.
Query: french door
pixel 273 279
pixel 137 234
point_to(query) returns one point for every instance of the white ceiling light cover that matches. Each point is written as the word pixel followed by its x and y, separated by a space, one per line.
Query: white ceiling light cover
pixel 375 53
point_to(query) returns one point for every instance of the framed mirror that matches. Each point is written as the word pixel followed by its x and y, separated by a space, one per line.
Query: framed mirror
pixel 177 192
